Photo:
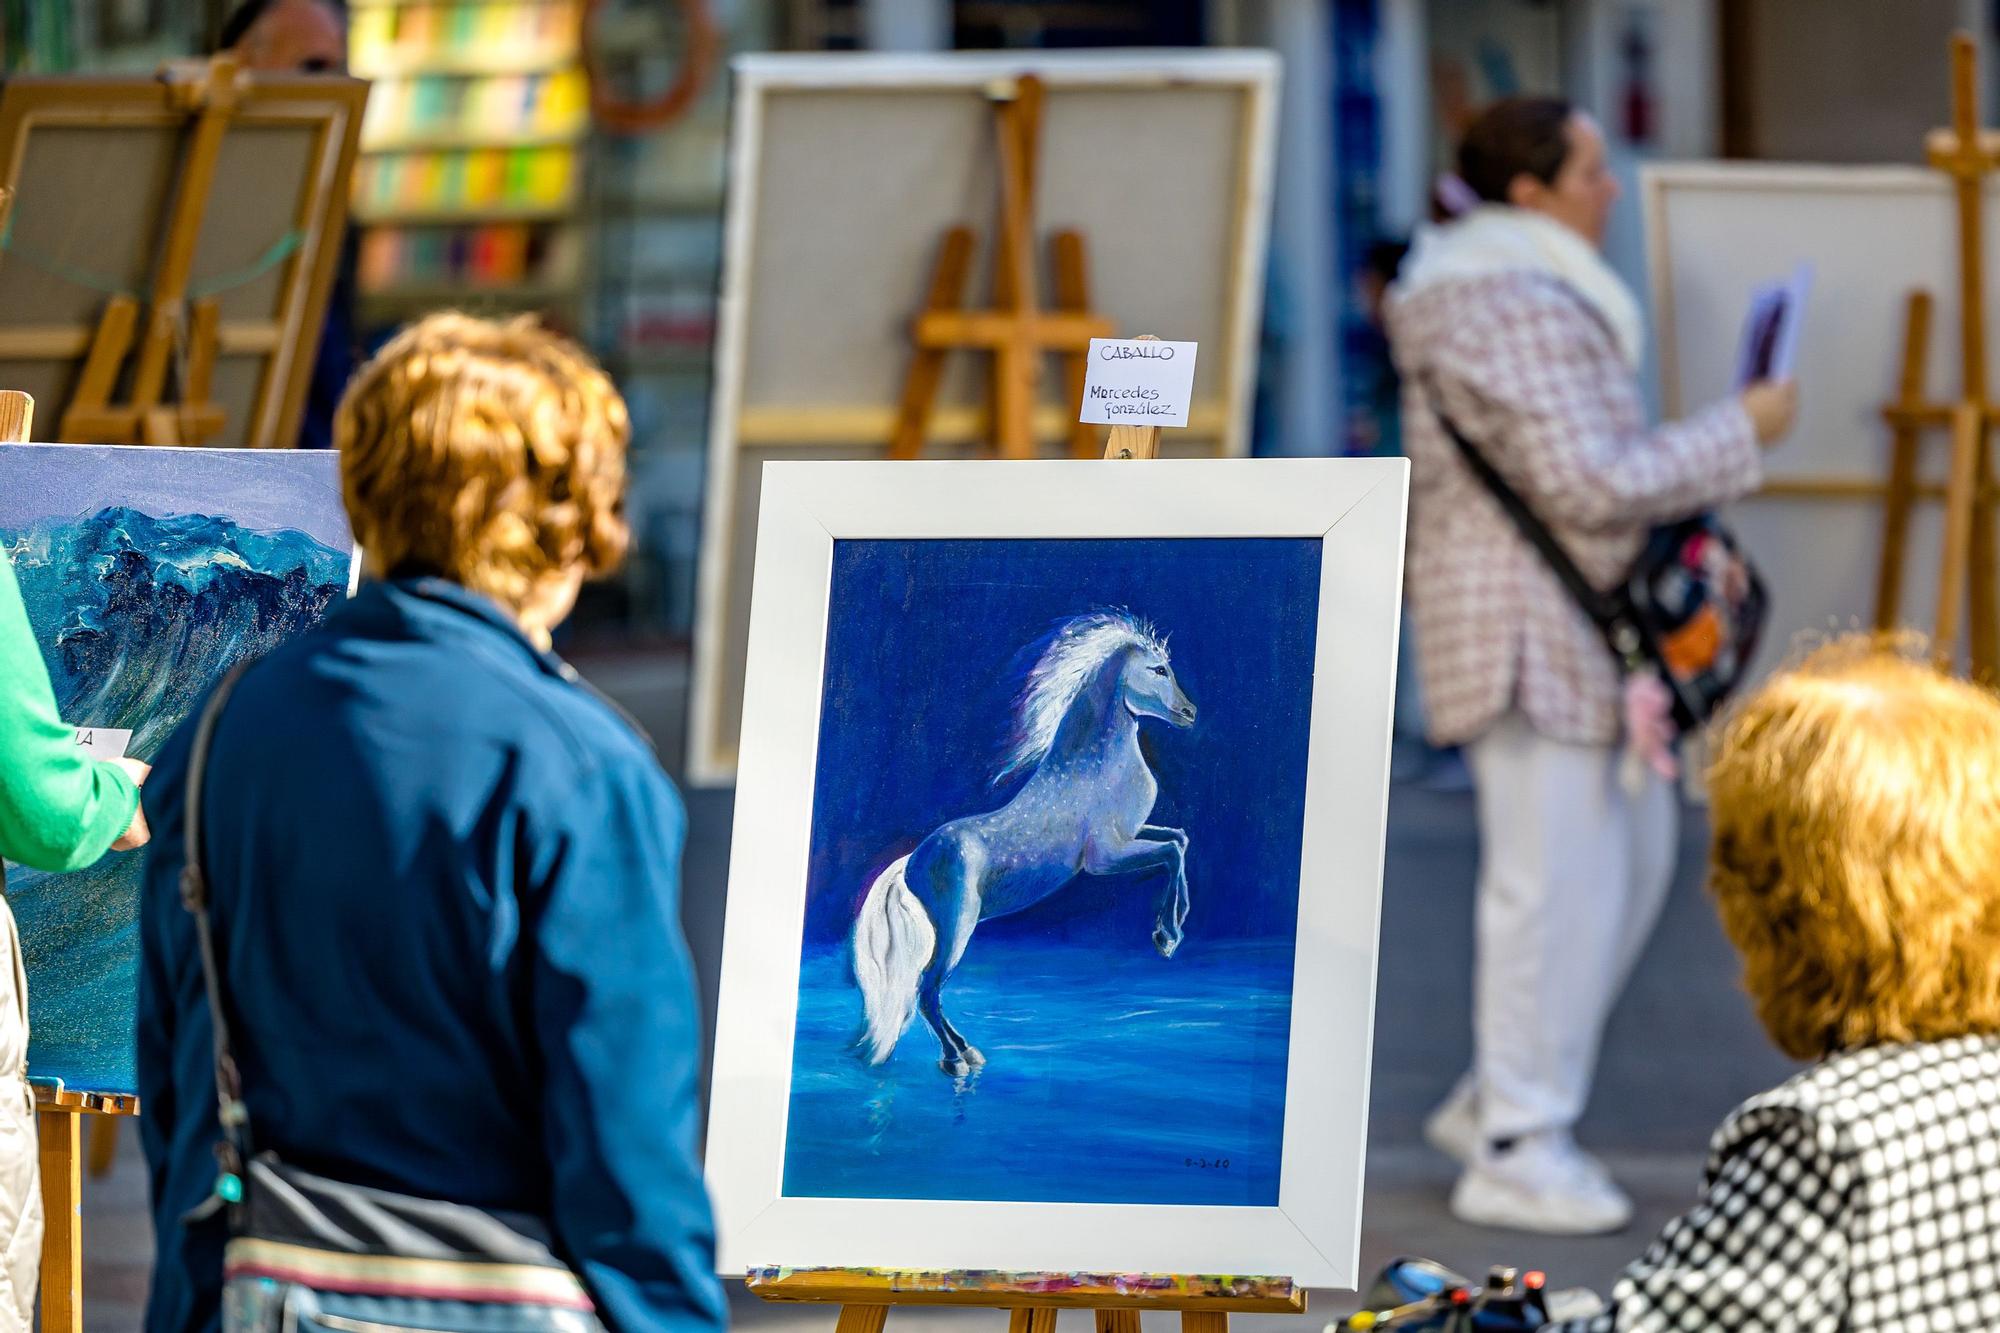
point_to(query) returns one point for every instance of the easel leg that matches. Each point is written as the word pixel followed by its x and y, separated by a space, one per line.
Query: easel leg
pixel 1895 526
pixel 1038 1320
pixel 1017 363
pixel 1906 441
pixel 103 1145
pixel 1985 615
pixel 1117 1321
pixel 862 1319
pixel 920 386
pixel 1204 1321
pixel 61 1134
pixel 91 399
pixel 1960 499
pixel 1072 283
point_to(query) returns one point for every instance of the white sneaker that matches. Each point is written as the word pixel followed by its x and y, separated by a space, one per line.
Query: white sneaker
pixel 1543 1183
pixel 1453 1129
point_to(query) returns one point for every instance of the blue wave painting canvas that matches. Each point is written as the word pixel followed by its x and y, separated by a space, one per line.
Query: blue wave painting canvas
pixel 1051 904
pixel 147 574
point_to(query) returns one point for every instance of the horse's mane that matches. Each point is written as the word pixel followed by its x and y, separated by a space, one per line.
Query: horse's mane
pixel 1074 652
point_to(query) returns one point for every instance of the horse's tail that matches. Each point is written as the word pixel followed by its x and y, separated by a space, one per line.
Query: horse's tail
pixel 893 943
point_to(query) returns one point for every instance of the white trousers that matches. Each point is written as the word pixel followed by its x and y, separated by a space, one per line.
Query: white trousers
pixel 1573 872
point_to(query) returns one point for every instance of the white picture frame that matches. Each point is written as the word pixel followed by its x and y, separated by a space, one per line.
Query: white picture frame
pixel 826 261
pixel 1355 509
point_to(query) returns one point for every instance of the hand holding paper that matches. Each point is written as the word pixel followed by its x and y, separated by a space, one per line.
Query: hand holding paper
pixel 1773 406
pixel 137 834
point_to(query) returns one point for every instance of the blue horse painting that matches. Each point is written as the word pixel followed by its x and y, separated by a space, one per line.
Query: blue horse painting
pixel 1058 810
pixel 1083 810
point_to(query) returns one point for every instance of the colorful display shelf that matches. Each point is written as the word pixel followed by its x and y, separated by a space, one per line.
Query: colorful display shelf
pixel 472 152
pixel 502 109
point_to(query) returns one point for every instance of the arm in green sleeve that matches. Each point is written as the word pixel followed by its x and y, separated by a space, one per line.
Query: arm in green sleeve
pixel 59 808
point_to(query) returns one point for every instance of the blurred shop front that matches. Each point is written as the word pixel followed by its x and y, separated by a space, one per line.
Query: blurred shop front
pixel 566 157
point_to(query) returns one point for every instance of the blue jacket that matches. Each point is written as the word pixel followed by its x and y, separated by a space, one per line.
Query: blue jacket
pixel 446 892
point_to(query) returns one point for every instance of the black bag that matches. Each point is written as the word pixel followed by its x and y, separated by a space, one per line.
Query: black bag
pixel 307 1253
pixel 1690 609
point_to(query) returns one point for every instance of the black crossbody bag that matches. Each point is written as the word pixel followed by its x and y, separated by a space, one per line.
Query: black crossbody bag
pixel 1690 609
pixel 311 1254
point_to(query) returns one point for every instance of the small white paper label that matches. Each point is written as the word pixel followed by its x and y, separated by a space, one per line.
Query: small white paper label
pixel 104 742
pixel 1138 382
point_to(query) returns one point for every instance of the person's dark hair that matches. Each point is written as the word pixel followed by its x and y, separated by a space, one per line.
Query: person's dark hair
pixel 245 17
pixel 1384 260
pixel 1519 135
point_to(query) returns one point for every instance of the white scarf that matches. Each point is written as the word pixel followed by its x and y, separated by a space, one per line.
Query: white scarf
pixel 1495 238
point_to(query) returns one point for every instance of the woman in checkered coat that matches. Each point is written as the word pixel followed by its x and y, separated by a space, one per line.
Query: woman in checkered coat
pixel 1509 320
pixel 1856 865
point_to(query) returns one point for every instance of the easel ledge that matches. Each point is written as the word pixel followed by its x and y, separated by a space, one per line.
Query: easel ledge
pixel 859 1289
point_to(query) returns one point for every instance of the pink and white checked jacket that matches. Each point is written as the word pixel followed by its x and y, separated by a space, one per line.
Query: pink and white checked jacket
pixel 1532 376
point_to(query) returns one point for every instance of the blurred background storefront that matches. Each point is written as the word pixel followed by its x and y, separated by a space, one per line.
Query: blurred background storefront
pixel 489 182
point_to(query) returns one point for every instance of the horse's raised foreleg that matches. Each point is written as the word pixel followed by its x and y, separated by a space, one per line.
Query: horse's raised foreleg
pixel 1145 853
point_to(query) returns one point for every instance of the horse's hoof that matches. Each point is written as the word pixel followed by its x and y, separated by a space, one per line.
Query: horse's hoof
pixel 974 1058
pixel 956 1068
pixel 1165 943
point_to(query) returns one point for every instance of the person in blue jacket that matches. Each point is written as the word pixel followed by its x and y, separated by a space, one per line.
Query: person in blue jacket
pixel 445 875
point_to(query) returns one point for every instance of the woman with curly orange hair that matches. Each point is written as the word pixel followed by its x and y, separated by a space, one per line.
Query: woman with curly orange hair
pixel 1856 865
pixel 443 875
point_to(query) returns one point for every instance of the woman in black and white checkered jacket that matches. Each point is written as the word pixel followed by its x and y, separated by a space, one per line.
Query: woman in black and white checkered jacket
pixel 1856 864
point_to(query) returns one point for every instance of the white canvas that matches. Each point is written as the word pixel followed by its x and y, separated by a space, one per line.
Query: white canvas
pixel 845 172
pixel 1715 233
pixel 1348 517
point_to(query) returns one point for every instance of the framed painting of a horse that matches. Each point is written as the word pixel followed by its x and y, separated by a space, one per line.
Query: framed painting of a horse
pixel 1053 898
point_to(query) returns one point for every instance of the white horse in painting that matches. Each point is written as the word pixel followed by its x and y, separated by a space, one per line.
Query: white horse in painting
pixel 1083 810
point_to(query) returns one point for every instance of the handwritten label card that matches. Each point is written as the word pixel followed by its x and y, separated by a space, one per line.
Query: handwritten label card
pixel 1138 382
pixel 104 742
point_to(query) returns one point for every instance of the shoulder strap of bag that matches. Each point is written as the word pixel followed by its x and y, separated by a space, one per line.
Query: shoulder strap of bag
pixel 195 898
pixel 1624 638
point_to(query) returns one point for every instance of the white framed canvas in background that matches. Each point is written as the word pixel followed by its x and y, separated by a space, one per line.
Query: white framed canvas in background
pixel 1054 897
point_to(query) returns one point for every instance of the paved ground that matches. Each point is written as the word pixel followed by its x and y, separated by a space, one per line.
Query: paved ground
pixel 1683 1048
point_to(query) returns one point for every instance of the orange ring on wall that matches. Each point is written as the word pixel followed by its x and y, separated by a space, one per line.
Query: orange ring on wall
pixel 619 116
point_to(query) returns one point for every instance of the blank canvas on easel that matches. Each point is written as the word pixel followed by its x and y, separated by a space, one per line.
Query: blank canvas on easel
pixel 846 171
pixel 1717 230
pixel 93 163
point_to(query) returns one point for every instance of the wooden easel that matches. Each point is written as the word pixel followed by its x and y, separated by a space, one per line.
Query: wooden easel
pixel 1967 575
pixel 176 332
pixel 1032 1300
pixel 59 1117
pixel 59 1112
pixel 1016 331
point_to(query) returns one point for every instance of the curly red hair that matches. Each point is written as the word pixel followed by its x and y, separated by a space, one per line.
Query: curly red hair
pixel 1856 852
pixel 489 452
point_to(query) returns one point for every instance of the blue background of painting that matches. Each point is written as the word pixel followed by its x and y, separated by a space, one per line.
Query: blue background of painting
pixel 1110 1070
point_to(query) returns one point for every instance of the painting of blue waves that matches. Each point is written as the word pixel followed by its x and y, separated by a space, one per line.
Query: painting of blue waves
pixel 147 574
pixel 1052 895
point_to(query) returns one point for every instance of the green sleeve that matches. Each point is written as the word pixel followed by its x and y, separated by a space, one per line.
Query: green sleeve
pixel 59 808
